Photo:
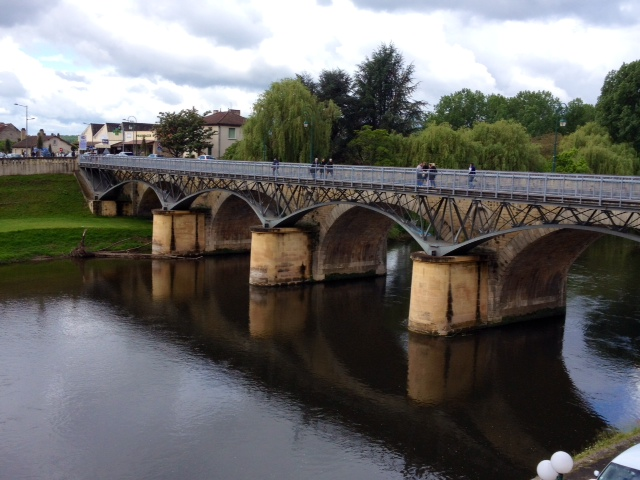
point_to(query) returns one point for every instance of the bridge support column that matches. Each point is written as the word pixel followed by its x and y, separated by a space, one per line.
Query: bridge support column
pixel 104 208
pixel 178 233
pixel 279 256
pixel 448 294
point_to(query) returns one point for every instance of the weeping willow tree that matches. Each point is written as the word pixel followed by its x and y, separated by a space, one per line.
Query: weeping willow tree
pixel 592 145
pixel 442 145
pixel 288 123
pixel 505 145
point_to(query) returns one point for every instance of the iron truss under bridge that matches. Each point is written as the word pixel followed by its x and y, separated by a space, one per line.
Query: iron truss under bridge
pixel 449 216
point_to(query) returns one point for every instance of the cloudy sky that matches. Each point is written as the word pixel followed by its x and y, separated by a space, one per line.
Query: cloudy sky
pixel 77 61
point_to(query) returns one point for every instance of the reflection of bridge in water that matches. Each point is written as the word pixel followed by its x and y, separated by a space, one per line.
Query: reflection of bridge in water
pixel 493 252
pixel 448 398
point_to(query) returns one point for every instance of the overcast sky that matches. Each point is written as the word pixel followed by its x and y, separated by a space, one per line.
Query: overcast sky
pixel 74 61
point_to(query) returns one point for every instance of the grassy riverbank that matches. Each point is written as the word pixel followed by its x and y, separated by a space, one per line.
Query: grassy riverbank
pixel 44 216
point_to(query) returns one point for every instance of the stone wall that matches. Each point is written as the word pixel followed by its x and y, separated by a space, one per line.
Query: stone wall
pixel 38 166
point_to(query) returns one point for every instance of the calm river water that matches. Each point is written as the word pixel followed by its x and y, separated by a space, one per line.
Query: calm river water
pixel 180 370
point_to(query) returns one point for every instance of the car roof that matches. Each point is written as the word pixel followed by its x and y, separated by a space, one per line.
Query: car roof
pixel 629 458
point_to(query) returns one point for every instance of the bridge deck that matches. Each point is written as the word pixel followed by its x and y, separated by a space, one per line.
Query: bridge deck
pixel 561 189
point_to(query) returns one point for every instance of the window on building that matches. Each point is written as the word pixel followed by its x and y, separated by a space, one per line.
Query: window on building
pixel 232 133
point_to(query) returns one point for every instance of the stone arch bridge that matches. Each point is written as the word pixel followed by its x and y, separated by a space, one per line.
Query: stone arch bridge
pixel 496 247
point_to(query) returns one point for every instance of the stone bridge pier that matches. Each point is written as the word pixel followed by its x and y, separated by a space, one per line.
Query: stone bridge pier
pixel 515 277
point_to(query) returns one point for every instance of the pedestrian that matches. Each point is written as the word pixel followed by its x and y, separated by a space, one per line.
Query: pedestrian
pixel 274 166
pixel 314 168
pixel 420 174
pixel 432 171
pixel 330 167
pixel 472 174
pixel 323 168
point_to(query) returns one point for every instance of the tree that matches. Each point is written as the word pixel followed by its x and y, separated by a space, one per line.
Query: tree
pixel 461 109
pixel 442 145
pixel 376 147
pixel 505 145
pixel 183 132
pixel 618 106
pixel 592 146
pixel 337 85
pixel 289 123
pixel 536 111
pixel 307 80
pixel 578 114
pixel 7 145
pixel 383 87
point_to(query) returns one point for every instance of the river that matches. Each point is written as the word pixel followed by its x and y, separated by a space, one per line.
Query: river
pixel 115 369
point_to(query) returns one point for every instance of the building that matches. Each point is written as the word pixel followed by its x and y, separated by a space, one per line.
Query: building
pixel 54 143
pixel 227 129
pixel 9 132
pixel 102 138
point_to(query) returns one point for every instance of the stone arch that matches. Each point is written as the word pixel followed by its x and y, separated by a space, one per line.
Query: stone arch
pixel 529 270
pixel 228 227
pixel 147 199
pixel 351 242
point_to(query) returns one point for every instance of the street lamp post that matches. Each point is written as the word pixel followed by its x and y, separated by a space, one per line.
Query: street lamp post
pixel 135 132
pixel 561 110
pixel 309 123
pixel 26 118
pixel 554 469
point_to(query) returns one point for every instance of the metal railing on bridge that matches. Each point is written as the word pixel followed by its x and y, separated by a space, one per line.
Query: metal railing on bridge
pixel 588 190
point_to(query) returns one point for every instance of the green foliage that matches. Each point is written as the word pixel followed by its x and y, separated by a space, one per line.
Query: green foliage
pixel 505 145
pixel 442 145
pixel 288 123
pixel 376 147
pixel 183 132
pixel 538 112
pixel 337 85
pixel 39 142
pixel 592 145
pixel 571 162
pixel 383 88
pixel 7 146
pixel 231 153
pixel 461 109
pixel 618 107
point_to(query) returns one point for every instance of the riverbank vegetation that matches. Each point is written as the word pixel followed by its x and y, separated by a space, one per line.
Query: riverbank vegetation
pixel 370 118
pixel 44 216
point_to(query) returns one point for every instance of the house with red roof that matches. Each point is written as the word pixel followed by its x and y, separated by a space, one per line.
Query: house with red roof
pixel 227 130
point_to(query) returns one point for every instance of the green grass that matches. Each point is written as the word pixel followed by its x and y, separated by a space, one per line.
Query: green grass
pixel 45 216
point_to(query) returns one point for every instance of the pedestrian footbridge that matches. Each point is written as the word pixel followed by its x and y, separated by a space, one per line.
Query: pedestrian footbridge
pixel 493 250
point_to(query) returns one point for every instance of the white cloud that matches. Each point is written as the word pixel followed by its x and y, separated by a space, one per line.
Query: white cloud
pixel 95 62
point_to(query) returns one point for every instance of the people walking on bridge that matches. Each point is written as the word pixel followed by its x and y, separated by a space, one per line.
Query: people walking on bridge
pixel 432 171
pixel 323 168
pixel 315 166
pixel 274 166
pixel 330 167
pixel 420 174
pixel 472 174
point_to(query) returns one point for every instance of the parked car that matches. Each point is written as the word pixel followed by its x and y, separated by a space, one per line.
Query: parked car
pixel 206 157
pixel 14 155
pixel 624 466
pixel 156 155
pixel 125 154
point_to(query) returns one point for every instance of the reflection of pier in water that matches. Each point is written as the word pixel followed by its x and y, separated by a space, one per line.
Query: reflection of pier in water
pixel 443 395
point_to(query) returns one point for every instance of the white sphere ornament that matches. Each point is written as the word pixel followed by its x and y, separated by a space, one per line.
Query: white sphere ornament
pixel 561 462
pixel 546 471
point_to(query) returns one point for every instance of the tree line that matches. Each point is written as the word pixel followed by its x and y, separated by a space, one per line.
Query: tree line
pixel 371 118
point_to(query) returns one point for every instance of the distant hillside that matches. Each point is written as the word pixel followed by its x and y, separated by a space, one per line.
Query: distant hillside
pixel 70 138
